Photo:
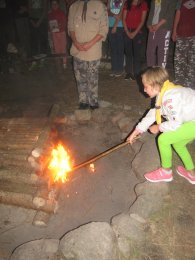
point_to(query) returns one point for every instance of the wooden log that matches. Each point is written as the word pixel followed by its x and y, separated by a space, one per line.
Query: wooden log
pixel 26 201
pixel 13 157
pixel 42 192
pixel 22 177
pixel 44 196
pixel 41 219
pixel 19 146
pixel 8 161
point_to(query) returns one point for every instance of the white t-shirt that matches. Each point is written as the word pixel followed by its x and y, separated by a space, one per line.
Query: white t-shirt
pixel 157 10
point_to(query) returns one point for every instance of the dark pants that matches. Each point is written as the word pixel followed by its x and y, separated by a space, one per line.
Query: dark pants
pixel 22 25
pixel 116 41
pixel 133 52
pixel 39 39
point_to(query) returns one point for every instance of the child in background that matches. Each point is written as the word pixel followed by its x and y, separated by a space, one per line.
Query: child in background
pixel 57 29
pixel 116 38
pixel 134 16
pixel 177 105
pixel 159 23
pixel 184 35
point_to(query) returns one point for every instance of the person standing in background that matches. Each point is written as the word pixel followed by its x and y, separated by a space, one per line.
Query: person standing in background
pixel 38 29
pixel 159 23
pixel 57 29
pixel 116 39
pixel 134 17
pixel 22 25
pixel 87 27
pixel 184 35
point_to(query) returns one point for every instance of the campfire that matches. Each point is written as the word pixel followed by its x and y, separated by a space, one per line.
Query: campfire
pixel 56 165
pixel 60 164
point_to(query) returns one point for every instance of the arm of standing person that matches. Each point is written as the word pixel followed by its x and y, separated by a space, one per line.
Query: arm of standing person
pixel 92 42
pixel 117 17
pixel 150 16
pixel 131 35
pixel 101 35
pixel 103 30
pixel 78 45
pixel 143 19
pixel 175 24
pixel 155 27
pixel 124 16
pixel 44 13
pixel 71 31
pixel 167 14
pixel 85 46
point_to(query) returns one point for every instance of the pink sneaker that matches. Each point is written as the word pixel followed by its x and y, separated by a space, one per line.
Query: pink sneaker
pixel 184 173
pixel 158 176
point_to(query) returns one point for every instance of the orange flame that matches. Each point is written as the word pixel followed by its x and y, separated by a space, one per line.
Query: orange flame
pixel 92 167
pixel 60 164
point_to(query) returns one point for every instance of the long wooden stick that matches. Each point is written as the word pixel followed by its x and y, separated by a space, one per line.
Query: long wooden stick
pixel 116 147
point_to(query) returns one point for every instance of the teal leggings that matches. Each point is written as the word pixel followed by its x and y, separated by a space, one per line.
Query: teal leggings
pixel 178 139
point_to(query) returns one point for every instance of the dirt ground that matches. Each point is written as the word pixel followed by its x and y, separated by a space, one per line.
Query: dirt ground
pixel 111 189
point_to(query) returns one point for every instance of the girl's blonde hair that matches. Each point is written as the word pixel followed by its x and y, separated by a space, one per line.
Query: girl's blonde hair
pixel 155 76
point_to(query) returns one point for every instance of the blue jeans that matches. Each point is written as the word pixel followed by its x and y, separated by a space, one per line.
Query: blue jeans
pixel 133 53
pixel 116 41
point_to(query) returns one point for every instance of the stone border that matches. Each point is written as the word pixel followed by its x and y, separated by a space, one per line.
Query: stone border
pixel 101 240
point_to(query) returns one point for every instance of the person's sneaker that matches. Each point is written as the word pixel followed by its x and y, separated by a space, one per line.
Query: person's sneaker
pixel 119 74
pixel 41 63
pixel 95 106
pixel 158 176
pixel 34 66
pixel 83 106
pixel 129 76
pixel 184 173
pixel 11 48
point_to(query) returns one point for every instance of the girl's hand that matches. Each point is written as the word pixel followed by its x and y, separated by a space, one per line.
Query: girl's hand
pixel 113 30
pixel 79 46
pixel 132 137
pixel 150 28
pixel 154 129
pixel 131 35
pixel 155 27
pixel 86 46
pixel 174 36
